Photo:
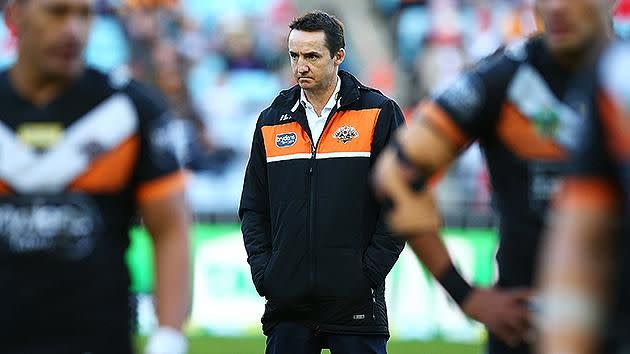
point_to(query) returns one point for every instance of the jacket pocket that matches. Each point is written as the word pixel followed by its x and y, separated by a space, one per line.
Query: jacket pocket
pixel 267 274
pixel 340 273
pixel 286 277
pixel 354 311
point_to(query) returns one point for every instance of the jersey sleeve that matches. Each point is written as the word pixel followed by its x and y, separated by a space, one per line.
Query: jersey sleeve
pixel 158 172
pixel 467 108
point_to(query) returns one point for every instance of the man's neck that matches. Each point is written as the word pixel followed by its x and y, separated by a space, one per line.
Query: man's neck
pixel 319 99
pixel 573 62
pixel 35 87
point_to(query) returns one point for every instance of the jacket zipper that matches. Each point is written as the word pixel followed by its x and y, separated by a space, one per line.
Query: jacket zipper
pixel 311 209
pixel 311 206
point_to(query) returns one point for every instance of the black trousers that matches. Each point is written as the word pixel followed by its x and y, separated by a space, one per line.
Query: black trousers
pixel 296 338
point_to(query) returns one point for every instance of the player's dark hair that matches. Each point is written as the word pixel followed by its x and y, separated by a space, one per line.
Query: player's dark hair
pixel 320 21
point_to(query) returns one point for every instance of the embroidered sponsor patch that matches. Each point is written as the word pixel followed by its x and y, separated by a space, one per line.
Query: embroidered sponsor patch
pixel 40 135
pixel 345 134
pixel 286 140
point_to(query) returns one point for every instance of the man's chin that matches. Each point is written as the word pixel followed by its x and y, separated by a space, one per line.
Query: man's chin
pixel 305 85
pixel 66 71
pixel 565 46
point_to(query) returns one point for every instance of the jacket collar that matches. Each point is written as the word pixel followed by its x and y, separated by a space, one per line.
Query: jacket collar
pixel 348 93
pixel 333 100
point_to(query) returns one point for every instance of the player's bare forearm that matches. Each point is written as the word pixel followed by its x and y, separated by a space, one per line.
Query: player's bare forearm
pixel 431 251
pixel 502 311
pixel 575 277
pixel 168 222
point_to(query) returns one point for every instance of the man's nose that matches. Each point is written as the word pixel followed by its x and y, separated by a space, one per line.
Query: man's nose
pixel 302 67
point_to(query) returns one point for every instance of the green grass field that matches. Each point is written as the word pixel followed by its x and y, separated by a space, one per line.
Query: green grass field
pixel 212 345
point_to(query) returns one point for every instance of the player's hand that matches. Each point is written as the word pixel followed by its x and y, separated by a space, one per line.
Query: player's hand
pixel 166 340
pixel 504 312
pixel 410 212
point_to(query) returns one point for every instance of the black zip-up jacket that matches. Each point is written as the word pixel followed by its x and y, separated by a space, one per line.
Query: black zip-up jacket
pixel 315 236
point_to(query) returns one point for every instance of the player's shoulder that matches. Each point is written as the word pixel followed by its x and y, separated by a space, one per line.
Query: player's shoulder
pixel 612 71
pixel 501 65
pixel 120 81
pixel 477 93
pixel 148 103
pixel 491 75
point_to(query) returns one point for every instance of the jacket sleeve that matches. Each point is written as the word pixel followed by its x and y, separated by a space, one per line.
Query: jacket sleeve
pixel 384 249
pixel 254 212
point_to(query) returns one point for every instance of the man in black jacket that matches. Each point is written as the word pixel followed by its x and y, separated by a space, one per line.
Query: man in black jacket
pixel 316 241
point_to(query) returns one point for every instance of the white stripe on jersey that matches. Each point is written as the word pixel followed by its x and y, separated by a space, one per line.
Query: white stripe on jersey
pixel 108 125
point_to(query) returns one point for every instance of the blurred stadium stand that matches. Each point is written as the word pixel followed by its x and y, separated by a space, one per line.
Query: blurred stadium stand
pixel 220 63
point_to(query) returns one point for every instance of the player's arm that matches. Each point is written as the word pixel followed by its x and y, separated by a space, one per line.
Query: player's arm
pixel 166 216
pixel 504 312
pixel 167 220
pixel 415 154
pixel 432 141
pixel 576 267
pixel 160 186
pixel 254 212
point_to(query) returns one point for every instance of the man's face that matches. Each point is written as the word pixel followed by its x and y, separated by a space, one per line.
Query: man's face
pixel 313 67
pixel 573 25
pixel 53 33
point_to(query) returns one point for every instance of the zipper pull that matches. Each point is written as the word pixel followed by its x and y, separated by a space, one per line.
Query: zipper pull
pixel 313 155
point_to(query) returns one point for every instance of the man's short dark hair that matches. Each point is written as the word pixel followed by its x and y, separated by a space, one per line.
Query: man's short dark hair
pixel 321 21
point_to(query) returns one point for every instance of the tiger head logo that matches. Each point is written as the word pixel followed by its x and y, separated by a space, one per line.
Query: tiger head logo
pixel 345 134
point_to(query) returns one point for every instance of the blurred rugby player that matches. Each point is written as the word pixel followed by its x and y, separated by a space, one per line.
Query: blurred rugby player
pixel 82 152
pixel 511 103
pixel 585 273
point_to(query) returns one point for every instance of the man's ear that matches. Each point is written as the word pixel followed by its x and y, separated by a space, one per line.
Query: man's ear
pixel 340 56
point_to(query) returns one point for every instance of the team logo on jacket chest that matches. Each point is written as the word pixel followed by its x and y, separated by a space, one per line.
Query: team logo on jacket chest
pixel 345 134
pixel 286 140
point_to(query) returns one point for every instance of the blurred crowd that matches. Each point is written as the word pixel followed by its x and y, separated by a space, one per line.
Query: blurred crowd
pixel 219 63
